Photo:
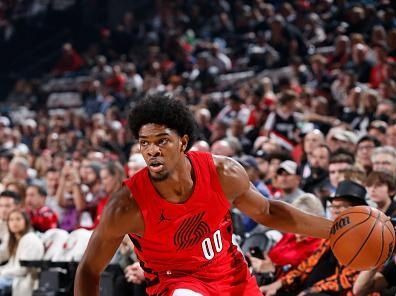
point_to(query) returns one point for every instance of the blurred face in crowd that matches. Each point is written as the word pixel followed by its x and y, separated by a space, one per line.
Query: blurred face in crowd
pixel 320 158
pixel 237 128
pixel 312 140
pixel 7 204
pixel 336 172
pixel 16 222
pixel 273 167
pixel 379 193
pixel 287 182
pixel 91 177
pixel 110 183
pixel 33 199
pixel 363 153
pixel 135 163
pixel 384 161
pixel 52 180
pixel 391 136
pixel 222 148
pixel 376 133
pixel 337 206
pixel 4 164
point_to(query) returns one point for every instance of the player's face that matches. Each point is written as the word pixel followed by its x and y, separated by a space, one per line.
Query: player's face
pixel 162 149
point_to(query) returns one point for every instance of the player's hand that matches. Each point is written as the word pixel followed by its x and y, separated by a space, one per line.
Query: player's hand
pixel 271 289
pixel 134 273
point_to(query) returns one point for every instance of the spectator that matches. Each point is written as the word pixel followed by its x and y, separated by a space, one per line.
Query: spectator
pixel 364 149
pixel 287 180
pixel 381 188
pixel 42 217
pixel 9 201
pixel 377 129
pixel 320 273
pixel 135 163
pixel 292 249
pixel 22 245
pixel 339 162
pixel 384 158
pixel 111 175
pixel 318 181
pixel 283 122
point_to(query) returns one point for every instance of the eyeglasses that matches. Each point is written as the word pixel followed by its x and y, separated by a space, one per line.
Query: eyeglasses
pixel 382 163
pixel 366 147
pixel 337 207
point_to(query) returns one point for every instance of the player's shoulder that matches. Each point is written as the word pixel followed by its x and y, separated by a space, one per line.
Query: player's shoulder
pixel 123 212
pixel 232 175
pixel 226 166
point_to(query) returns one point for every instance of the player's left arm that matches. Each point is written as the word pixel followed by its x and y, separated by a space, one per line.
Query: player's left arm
pixel 272 213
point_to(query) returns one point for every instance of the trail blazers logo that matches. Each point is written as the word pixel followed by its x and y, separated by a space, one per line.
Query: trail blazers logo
pixel 190 232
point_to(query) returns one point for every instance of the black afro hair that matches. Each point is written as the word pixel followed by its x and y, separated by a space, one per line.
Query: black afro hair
pixel 163 109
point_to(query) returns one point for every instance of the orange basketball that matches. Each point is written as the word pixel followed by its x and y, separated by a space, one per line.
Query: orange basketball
pixel 362 237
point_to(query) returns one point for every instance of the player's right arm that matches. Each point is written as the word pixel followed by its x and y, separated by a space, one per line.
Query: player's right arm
pixel 121 216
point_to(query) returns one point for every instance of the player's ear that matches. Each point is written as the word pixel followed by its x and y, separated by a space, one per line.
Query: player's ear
pixel 184 143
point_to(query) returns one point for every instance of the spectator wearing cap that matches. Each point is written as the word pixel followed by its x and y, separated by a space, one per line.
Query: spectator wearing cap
pixel 384 159
pixel 274 160
pixel 321 274
pixel 381 188
pixel 287 180
pixel 364 149
pixel 234 109
pixel 41 216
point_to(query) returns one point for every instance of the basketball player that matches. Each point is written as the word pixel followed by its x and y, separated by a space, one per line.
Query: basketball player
pixel 176 211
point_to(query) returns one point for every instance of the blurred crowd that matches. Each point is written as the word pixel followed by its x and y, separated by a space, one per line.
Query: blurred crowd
pixel 302 93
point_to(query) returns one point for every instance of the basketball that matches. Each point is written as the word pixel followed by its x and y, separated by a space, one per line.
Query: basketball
pixel 362 238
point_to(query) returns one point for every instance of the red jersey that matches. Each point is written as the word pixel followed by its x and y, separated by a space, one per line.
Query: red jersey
pixel 189 245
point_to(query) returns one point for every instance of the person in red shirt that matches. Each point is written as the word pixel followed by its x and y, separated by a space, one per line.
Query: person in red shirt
pixel 177 212
pixel 41 216
pixel 293 248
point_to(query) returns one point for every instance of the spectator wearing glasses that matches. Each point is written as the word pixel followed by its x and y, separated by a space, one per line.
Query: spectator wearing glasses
pixel 364 149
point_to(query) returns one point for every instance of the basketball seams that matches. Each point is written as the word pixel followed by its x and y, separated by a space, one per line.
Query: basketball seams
pixel 391 230
pixel 382 245
pixel 365 241
pixel 353 226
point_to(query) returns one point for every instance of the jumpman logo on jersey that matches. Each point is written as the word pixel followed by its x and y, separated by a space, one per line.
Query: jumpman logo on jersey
pixel 162 217
pixel 191 231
